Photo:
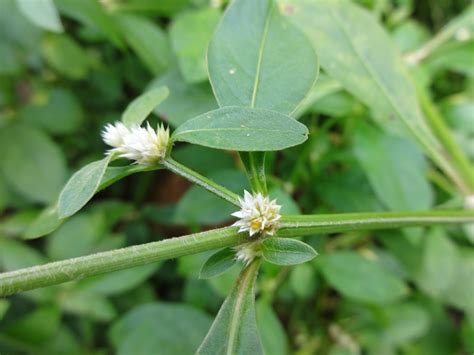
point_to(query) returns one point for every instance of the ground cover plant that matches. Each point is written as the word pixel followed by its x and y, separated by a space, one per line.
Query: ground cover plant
pixel 251 177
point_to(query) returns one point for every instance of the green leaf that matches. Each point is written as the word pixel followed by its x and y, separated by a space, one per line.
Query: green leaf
pixel 218 263
pixel 65 56
pixel 36 327
pixel 31 162
pixel 147 39
pixel 117 282
pixel 88 305
pixel 58 111
pixel 395 168
pixel 47 222
pixel 42 13
pixel 283 251
pixel 168 327
pixel 94 15
pixel 257 59
pixel 234 331
pixel 354 49
pixel 81 187
pixel 360 279
pixel 77 236
pixel 274 338
pixel 190 35
pixel 242 129
pixel 139 109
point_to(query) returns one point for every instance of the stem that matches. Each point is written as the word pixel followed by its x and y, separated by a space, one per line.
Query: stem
pixel 293 226
pixel 442 131
pixel 254 163
pixel 99 263
pixel 200 180
pixel 464 20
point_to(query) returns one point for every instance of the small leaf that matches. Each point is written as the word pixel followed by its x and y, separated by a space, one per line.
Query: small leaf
pixel 147 39
pixel 81 187
pixel 42 13
pixel 47 222
pixel 360 279
pixel 234 331
pixel 243 129
pixel 142 106
pixel 283 251
pixel 218 263
pixel 24 164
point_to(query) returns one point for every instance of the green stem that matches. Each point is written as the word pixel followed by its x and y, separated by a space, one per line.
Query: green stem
pixel 254 163
pixel 443 133
pixel 291 226
pixel 94 264
pixel 200 180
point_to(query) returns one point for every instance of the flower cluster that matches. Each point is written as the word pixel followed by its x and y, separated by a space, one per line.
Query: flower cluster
pixel 247 252
pixel 144 145
pixel 257 214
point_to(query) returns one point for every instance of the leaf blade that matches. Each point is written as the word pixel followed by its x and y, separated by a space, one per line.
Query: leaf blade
pixel 81 187
pixel 242 129
pixel 217 263
pixel 234 331
pixel 138 110
pixel 242 70
pixel 283 251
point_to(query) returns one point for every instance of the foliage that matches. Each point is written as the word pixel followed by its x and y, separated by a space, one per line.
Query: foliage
pixel 327 106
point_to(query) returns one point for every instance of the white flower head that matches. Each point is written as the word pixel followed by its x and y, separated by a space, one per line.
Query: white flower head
pixel 145 145
pixel 257 214
pixel 114 135
pixel 247 252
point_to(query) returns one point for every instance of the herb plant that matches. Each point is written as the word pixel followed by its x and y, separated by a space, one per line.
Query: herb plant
pixel 386 187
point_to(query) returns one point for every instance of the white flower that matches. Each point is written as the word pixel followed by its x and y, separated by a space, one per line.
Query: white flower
pixel 257 214
pixel 114 134
pixel 144 145
pixel 247 252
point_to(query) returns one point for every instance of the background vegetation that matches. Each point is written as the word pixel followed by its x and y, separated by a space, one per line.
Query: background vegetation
pixel 409 292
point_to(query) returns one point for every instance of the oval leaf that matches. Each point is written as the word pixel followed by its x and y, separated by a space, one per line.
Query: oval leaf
pixel 266 63
pixel 218 263
pixel 360 279
pixel 234 331
pixel 243 129
pixel 283 251
pixel 81 187
pixel 143 105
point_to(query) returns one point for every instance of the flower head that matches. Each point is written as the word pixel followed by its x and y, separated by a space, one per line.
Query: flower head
pixel 114 134
pixel 257 214
pixel 144 145
pixel 247 252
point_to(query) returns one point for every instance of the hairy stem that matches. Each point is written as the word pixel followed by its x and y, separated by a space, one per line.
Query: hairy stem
pixel 292 226
pixel 99 263
pixel 200 180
